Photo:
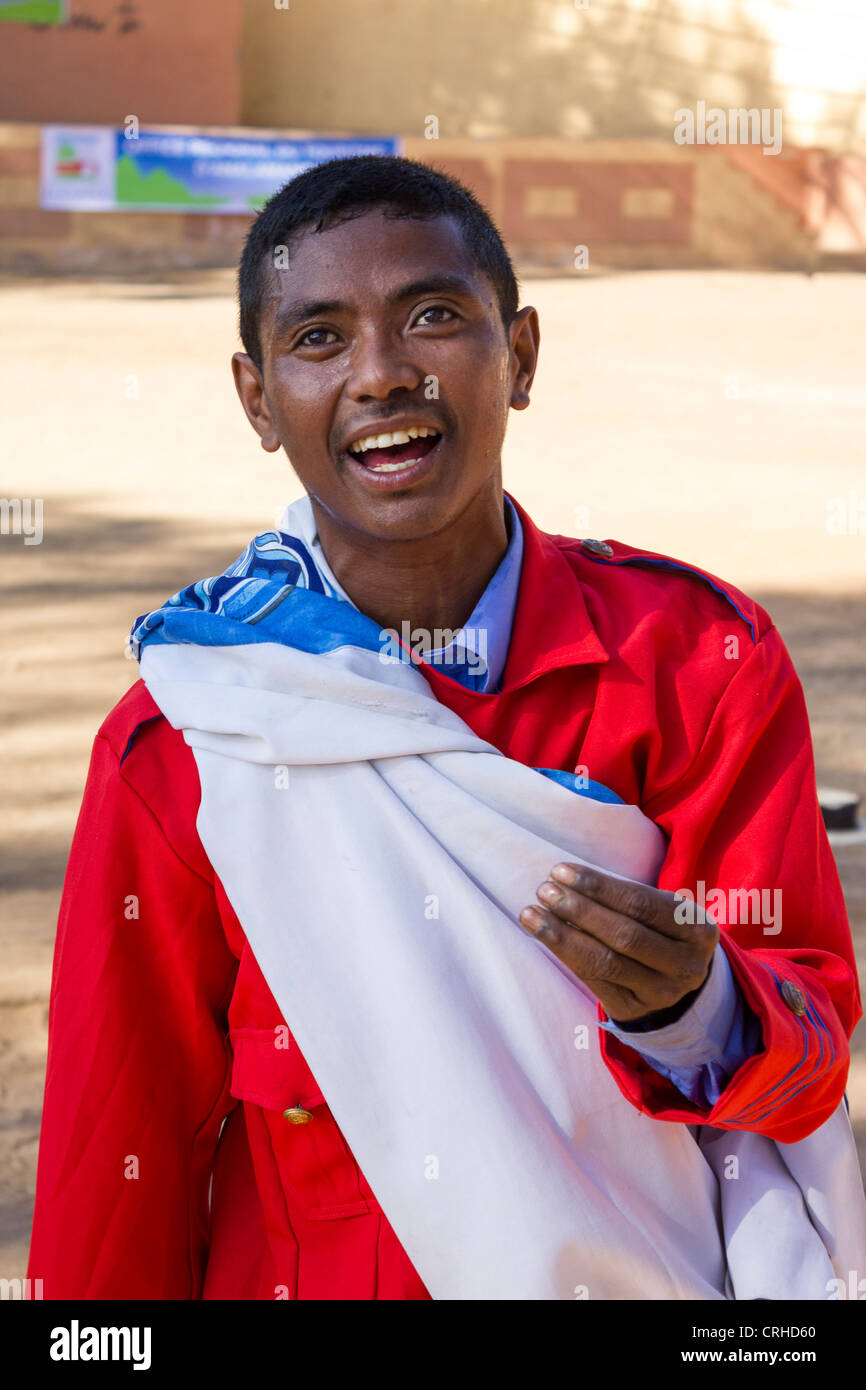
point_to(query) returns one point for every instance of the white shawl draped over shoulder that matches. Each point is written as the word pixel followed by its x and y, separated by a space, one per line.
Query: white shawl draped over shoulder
pixel 377 854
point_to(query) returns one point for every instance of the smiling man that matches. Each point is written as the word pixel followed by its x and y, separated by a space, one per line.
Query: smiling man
pixel 424 340
pixel 384 886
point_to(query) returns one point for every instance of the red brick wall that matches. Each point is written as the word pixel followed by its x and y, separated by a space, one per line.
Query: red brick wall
pixel 593 201
pixel 165 61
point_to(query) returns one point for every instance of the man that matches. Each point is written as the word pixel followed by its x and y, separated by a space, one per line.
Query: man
pixel 187 1149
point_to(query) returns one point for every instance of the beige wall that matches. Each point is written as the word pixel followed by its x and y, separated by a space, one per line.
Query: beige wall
pixel 617 69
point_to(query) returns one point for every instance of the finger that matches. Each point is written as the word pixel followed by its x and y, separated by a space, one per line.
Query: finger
pixel 684 961
pixel 654 907
pixel 597 964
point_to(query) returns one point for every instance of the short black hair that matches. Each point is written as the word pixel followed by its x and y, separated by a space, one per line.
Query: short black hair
pixel 332 192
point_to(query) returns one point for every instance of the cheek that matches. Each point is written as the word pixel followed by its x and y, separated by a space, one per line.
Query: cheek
pixel 475 382
pixel 302 407
pixel 485 383
pixel 486 409
pixel 295 391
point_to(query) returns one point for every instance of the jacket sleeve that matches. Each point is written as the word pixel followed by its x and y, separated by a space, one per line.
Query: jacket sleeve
pixel 137 1083
pixel 702 1049
pixel 747 838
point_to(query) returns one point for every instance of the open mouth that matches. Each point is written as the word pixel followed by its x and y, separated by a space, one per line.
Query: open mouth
pixel 396 452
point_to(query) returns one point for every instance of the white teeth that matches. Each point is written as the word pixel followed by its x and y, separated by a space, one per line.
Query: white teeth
pixel 384 441
pixel 392 467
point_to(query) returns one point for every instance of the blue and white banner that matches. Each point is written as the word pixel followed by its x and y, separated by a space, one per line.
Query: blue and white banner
pixel 100 169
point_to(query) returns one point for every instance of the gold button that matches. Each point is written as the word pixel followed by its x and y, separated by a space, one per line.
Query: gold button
pixel 297 1115
pixel 794 997
pixel 598 548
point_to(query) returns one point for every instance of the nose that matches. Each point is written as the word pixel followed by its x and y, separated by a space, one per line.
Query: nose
pixel 381 365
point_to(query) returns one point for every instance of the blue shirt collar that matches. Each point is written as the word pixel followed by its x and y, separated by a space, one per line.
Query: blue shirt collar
pixel 476 654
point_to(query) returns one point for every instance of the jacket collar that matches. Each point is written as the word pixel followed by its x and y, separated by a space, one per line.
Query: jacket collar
pixel 552 627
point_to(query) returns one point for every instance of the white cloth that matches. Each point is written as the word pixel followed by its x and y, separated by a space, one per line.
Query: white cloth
pixel 377 854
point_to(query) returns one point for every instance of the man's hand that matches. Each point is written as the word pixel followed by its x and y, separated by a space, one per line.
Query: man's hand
pixel 623 940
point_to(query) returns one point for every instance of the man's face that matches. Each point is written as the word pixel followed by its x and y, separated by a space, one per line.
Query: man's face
pixel 377 326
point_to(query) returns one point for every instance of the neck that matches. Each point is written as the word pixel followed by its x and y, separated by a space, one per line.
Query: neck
pixel 434 582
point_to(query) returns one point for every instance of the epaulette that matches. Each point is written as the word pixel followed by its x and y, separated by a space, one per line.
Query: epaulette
pixel 132 711
pixel 614 553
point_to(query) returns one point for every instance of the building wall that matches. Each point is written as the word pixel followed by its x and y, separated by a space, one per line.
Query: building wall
pixel 173 61
pixel 639 203
pixel 561 117
pixel 36 239
pixel 609 69
pixel 577 69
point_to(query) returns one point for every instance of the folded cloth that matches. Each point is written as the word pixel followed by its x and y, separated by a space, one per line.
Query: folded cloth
pixel 377 854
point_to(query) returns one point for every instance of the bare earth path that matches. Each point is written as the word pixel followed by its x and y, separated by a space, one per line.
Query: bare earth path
pixel 717 417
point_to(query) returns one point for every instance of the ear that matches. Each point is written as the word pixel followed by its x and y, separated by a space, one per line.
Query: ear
pixel 250 387
pixel 523 333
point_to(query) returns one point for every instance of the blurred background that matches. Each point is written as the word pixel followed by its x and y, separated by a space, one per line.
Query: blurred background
pixel 683 189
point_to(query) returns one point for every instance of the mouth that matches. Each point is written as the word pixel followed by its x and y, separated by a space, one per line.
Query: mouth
pixel 395 459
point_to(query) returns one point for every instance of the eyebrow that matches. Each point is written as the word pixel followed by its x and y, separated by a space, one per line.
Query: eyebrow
pixel 300 310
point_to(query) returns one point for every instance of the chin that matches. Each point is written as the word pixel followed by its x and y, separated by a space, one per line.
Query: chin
pixel 410 518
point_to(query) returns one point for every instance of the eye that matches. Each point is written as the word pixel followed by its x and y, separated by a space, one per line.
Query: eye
pixel 303 341
pixel 436 309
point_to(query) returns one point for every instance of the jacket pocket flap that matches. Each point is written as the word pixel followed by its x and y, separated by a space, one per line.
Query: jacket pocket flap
pixel 269 1070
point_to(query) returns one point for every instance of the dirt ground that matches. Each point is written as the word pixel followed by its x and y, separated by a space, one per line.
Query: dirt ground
pixel 717 417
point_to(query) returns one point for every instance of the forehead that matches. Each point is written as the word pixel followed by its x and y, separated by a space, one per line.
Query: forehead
pixel 365 259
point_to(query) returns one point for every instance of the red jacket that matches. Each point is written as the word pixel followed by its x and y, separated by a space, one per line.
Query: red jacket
pixel 668 686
